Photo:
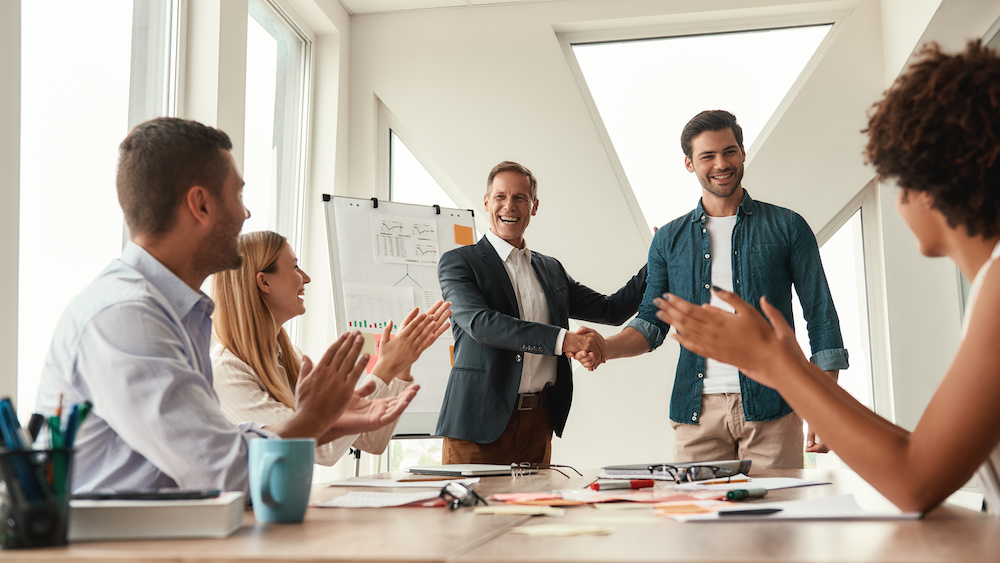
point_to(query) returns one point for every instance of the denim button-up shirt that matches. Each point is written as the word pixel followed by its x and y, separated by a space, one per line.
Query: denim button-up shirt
pixel 773 249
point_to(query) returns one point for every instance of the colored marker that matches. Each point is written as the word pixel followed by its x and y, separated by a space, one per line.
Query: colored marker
pixel 633 484
pixel 740 494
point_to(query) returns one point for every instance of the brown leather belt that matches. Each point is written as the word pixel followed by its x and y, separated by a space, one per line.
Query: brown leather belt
pixel 529 401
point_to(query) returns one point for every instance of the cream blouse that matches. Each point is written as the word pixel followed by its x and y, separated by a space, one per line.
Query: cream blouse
pixel 244 397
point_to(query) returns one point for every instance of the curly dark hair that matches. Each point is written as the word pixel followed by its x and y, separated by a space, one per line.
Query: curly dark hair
pixel 937 130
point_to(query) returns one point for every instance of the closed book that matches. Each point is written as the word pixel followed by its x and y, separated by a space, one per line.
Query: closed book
pixel 218 517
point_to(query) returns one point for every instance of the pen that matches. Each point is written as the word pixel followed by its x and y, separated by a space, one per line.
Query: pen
pixel 740 494
pixel 748 511
pixel 633 484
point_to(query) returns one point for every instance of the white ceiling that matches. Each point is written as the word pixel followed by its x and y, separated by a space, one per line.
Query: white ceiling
pixel 357 7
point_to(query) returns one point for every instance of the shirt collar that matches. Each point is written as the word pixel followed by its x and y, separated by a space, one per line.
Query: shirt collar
pixel 181 297
pixel 746 208
pixel 504 248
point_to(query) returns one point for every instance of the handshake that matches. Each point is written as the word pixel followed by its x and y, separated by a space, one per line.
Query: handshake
pixel 586 346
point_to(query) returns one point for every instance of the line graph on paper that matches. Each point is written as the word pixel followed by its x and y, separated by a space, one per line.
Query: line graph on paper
pixel 405 241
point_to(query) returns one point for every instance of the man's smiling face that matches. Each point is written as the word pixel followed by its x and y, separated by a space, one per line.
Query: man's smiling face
pixel 717 160
pixel 510 206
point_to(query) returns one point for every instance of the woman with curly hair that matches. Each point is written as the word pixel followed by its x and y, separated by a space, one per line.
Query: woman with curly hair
pixel 937 133
pixel 255 366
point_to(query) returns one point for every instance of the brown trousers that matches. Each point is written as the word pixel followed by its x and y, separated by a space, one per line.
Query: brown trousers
pixel 527 438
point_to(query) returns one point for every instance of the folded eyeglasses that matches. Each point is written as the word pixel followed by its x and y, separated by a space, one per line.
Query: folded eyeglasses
pixel 460 494
pixel 526 468
pixel 690 473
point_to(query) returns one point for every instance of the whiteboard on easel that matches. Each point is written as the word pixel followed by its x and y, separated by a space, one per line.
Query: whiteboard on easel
pixel 383 262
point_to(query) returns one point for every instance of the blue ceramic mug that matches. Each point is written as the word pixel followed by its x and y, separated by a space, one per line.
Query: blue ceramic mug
pixel 280 478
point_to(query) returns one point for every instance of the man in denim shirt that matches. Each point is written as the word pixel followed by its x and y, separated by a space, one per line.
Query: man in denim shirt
pixel 718 413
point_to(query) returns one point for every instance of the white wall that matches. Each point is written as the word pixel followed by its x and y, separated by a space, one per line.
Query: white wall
pixel 473 86
pixel 10 166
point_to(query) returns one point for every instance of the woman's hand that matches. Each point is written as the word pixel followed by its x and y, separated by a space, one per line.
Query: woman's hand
pixel 417 333
pixel 742 338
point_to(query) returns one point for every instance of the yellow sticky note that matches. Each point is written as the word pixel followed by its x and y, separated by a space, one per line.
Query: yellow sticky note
pixel 463 235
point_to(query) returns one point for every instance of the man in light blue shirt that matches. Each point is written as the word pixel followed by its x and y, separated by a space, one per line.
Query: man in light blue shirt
pixel 135 343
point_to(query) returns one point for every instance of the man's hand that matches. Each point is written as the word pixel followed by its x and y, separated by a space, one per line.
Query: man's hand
pixel 325 389
pixel 587 346
pixel 814 444
pixel 363 415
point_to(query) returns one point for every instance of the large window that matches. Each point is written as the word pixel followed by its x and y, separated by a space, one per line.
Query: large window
pixel 645 91
pixel 277 82
pixel 87 75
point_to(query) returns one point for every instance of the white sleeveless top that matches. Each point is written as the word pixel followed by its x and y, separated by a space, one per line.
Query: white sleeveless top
pixel 989 471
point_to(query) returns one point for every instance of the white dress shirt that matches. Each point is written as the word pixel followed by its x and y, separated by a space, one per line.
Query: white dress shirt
pixel 135 343
pixel 538 370
pixel 244 397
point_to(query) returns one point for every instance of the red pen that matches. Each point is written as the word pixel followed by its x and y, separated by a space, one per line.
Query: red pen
pixel 633 484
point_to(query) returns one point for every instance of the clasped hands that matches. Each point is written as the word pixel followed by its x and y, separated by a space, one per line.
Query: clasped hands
pixel 586 346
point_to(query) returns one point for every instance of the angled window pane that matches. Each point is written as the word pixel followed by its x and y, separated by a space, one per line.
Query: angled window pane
pixel 645 91
pixel 409 181
pixel 844 263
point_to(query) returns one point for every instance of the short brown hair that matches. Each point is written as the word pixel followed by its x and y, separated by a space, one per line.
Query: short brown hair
pixel 509 166
pixel 709 120
pixel 937 130
pixel 159 161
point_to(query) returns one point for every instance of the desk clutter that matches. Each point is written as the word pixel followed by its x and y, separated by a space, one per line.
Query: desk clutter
pixel 714 491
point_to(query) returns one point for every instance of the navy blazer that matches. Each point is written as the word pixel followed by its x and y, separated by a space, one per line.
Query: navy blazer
pixel 491 339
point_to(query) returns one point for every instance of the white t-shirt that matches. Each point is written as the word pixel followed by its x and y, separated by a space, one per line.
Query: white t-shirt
pixel 720 377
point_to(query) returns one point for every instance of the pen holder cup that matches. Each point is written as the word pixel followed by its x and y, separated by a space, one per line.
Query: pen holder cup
pixel 34 497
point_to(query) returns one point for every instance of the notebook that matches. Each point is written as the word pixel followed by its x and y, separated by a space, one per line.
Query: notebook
pixel 465 470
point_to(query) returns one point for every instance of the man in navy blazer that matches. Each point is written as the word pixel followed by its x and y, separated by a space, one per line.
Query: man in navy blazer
pixel 511 384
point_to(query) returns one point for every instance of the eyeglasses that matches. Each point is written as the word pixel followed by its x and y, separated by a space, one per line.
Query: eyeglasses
pixel 690 473
pixel 460 494
pixel 527 468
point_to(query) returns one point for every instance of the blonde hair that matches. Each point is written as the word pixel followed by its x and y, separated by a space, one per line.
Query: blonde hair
pixel 244 325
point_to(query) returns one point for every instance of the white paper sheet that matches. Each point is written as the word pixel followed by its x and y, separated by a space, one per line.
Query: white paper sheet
pixel 842 507
pixel 376 499
pixel 402 484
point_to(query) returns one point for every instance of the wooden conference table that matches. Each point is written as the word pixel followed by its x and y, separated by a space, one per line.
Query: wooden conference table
pixel 437 534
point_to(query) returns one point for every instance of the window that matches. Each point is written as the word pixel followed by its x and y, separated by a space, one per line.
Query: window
pixel 87 76
pixel 409 181
pixel 646 90
pixel 274 156
pixel 844 264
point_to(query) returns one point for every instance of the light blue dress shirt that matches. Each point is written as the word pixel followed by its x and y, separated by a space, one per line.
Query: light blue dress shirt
pixel 135 343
